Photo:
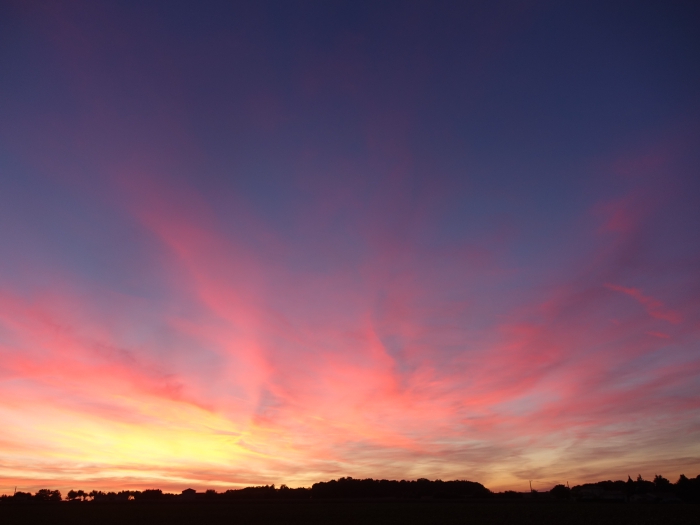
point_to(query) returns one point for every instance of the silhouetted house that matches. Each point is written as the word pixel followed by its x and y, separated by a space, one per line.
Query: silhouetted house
pixel 668 497
pixel 188 494
pixel 590 492
pixel 613 495
pixel 643 498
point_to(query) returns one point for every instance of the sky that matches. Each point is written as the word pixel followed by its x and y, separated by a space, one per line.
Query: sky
pixel 245 243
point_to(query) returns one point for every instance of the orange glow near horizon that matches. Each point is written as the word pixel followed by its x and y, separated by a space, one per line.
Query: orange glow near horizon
pixel 235 392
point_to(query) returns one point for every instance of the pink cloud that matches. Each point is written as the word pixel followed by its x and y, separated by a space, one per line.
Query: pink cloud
pixel 654 307
pixel 368 346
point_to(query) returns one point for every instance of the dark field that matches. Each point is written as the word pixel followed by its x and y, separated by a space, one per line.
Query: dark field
pixel 355 512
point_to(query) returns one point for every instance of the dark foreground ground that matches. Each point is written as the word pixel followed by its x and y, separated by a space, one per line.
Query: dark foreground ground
pixel 355 512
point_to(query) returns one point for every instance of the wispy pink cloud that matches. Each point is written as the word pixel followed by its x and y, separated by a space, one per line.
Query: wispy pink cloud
pixel 654 307
pixel 361 318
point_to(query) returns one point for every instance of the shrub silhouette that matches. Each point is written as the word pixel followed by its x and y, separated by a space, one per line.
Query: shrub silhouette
pixel 561 492
pixel 660 490
pixel 421 488
pixel 47 495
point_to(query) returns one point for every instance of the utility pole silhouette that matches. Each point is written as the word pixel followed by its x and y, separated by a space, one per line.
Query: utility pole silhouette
pixel 530 485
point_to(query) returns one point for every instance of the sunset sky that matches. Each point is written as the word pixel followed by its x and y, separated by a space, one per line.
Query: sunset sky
pixel 285 242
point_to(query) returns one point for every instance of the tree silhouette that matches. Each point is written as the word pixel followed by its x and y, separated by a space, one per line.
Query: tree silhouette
pixel 662 483
pixel 658 490
pixel 561 492
pixel 47 495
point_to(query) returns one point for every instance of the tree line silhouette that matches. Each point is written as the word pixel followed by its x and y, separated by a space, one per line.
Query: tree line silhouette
pixel 659 490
